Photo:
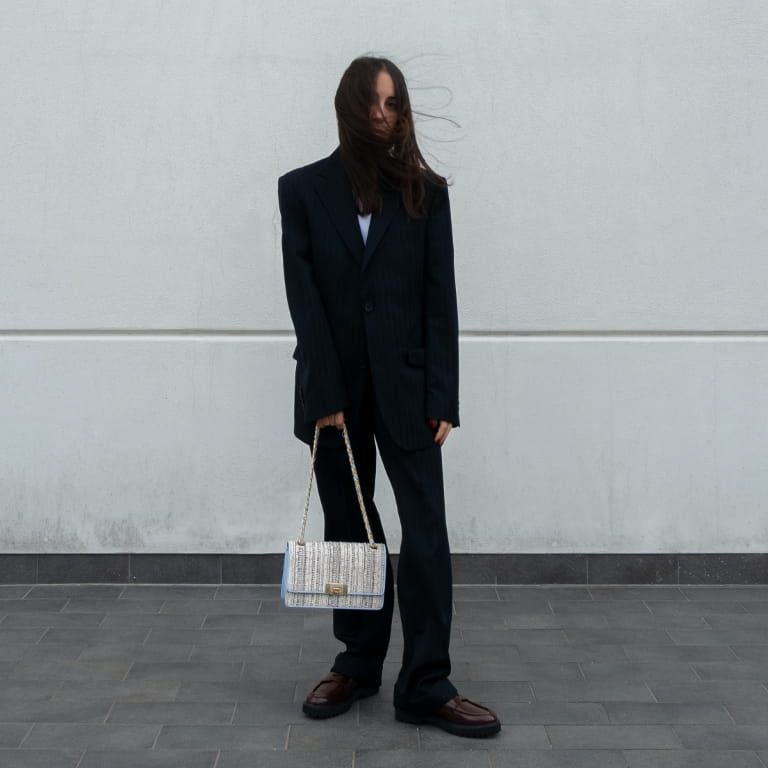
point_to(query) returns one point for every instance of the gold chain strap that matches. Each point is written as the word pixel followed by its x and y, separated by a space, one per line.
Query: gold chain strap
pixel 355 478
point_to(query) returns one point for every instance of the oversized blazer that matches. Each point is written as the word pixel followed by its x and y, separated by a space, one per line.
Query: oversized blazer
pixel 387 306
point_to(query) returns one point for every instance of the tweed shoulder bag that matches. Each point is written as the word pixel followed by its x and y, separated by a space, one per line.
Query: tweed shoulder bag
pixel 334 574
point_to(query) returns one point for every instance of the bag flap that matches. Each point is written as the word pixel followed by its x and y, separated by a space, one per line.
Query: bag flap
pixel 310 568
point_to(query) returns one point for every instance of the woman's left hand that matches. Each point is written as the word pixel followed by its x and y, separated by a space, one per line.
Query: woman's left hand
pixel 443 429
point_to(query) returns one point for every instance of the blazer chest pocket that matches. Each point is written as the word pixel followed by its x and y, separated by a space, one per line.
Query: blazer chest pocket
pixel 415 356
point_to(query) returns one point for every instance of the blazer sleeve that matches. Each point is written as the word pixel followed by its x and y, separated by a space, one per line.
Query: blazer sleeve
pixel 441 321
pixel 322 390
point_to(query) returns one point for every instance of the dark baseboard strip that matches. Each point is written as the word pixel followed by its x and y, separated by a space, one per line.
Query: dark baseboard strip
pixel 704 568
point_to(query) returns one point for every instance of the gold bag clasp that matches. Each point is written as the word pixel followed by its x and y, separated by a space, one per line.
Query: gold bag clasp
pixel 337 590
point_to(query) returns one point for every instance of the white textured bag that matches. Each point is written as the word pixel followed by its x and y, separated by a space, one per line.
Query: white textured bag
pixel 334 574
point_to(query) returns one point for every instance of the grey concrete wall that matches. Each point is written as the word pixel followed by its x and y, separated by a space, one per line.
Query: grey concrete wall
pixel 609 201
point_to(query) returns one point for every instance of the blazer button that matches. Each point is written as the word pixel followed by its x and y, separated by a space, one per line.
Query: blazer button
pixel 368 306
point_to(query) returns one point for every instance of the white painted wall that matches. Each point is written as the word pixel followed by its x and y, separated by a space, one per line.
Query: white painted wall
pixel 610 198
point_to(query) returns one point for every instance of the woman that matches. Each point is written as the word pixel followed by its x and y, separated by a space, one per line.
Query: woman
pixel 368 264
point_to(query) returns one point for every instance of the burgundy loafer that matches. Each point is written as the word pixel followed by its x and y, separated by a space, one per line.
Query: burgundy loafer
pixel 334 695
pixel 458 716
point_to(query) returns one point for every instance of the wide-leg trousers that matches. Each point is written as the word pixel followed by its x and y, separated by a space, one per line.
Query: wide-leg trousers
pixel 424 581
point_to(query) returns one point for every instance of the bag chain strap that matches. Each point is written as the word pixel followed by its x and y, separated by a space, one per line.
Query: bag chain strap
pixel 355 478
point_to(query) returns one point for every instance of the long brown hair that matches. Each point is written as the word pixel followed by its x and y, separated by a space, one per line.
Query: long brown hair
pixel 371 161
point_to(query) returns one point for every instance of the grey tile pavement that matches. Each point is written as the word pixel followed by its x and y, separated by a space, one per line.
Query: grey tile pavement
pixel 206 676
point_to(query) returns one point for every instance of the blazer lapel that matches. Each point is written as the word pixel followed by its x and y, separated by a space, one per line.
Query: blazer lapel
pixel 379 224
pixel 335 193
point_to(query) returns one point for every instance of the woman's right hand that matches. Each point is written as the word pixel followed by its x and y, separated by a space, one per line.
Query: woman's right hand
pixel 334 420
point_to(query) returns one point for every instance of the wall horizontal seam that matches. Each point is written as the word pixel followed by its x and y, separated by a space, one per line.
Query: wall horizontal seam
pixel 472 334
pixel 278 334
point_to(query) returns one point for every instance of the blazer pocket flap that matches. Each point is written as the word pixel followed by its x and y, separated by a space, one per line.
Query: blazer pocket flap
pixel 415 356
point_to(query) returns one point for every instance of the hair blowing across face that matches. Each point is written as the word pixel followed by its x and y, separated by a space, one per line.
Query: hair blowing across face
pixel 370 160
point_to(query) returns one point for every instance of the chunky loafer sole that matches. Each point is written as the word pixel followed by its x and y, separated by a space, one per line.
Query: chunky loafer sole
pixel 481 731
pixel 321 711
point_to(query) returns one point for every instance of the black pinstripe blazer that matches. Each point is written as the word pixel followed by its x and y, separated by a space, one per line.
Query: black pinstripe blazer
pixel 388 305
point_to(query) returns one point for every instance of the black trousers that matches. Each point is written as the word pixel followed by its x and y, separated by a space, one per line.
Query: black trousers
pixel 424 570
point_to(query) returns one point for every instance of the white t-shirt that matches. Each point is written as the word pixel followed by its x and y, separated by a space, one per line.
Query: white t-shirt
pixel 365 223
